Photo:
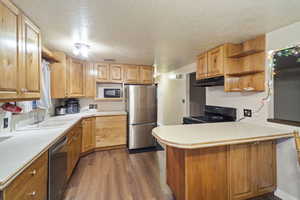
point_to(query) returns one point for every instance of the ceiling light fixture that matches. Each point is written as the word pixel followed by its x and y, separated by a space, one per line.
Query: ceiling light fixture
pixel 81 49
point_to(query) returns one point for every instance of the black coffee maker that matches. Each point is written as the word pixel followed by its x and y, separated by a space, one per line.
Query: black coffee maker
pixel 72 106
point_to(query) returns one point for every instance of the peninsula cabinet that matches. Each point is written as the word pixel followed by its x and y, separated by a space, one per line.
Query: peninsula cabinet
pixel 31 184
pixel 88 135
pixel 20 60
pixel 232 172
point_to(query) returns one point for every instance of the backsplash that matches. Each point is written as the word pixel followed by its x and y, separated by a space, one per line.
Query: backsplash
pixel 102 105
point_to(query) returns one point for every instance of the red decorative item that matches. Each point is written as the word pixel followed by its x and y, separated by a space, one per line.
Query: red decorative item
pixel 11 108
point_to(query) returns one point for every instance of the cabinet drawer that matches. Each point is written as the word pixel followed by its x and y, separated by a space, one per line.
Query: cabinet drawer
pixel 30 184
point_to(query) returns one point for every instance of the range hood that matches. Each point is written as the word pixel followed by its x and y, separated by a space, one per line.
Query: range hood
pixel 209 82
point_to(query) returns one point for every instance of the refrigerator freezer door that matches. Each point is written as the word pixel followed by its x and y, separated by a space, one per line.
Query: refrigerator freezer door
pixel 140 136
pixel 141 104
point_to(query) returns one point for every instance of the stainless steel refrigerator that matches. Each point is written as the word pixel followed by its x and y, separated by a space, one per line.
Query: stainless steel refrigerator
pixel 141 105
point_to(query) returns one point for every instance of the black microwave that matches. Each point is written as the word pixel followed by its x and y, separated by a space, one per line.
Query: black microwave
pixel 112 92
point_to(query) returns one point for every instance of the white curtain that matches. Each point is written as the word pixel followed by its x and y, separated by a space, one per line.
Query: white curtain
pixel 45 101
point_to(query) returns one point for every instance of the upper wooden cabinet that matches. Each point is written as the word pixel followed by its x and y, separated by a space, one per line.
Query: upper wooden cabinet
pixel 215 59
pixel 116 73
pixel 20 55
pixel 102 72
pixel 146 74
pixel 132 74
pixel 90 83
pixel 201 66
pixel 9 52
pixel 76 78
pixel 109 73
pixel 59 76
pixel 30 87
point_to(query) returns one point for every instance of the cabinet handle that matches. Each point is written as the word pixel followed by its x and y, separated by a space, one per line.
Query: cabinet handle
pixel 32 193
pixel 33 172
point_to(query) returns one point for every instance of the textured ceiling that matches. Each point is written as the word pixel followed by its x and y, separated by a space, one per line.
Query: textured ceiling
pixel 167 33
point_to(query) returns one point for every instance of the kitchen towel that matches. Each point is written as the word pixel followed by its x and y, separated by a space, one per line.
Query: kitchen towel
pixel 45 101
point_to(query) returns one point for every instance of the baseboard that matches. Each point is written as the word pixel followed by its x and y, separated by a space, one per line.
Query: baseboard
pixel 285 196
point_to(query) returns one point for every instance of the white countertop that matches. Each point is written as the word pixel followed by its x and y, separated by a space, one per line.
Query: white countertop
pixel 216 134
pixel 19 151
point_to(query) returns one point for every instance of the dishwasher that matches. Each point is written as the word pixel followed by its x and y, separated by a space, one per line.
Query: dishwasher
pixel 57 170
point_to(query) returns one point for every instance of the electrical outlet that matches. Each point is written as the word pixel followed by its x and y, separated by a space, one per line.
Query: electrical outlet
pixel 5 122
pixel 247 113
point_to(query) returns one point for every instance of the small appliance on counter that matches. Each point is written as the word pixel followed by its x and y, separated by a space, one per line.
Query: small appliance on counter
pixel 72 106
pixel 60 110
pixel 213 114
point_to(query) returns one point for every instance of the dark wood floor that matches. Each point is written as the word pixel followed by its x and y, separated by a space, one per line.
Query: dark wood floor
pixel 116 175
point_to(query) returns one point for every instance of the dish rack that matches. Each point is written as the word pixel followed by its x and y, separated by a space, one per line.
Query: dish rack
pixel 297 141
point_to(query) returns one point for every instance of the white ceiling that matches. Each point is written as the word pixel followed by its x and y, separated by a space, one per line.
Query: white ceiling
pixel 167 33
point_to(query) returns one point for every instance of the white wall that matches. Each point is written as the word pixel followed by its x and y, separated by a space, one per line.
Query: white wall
pixel 288 170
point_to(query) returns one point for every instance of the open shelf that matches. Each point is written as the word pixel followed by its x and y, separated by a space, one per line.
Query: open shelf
pixel 245 53
pixel 244 73
pixel 109 99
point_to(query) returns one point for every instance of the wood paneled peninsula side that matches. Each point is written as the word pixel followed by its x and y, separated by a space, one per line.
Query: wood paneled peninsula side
pixel 220 161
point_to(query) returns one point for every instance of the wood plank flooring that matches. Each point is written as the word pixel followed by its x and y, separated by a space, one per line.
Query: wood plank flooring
pixel 116 175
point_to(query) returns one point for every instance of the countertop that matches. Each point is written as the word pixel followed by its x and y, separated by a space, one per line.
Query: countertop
pixel 216 134
pixel 19 151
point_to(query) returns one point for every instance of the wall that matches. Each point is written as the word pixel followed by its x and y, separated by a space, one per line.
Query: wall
pixel 288 170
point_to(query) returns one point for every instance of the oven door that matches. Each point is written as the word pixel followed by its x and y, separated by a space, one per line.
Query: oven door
pixel 112 93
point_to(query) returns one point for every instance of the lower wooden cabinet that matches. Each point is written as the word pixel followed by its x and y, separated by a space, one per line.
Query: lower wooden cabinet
pixel 31 184
pixel 74 148
pixel 88 135
pixel 111 131
pixel 234 172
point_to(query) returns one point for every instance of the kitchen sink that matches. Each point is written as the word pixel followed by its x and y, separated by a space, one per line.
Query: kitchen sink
pixel 44 125
pixel 4 138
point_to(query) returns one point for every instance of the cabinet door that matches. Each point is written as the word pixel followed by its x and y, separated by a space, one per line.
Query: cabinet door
pixel 32 60
pixel 132 74
pixel 116 73
pixel 241 171
pixel 77 144
pixel 146 74
pixel 76 78
pixel 216 62
pixel 59 76
pixel 102 72
pixel 201 66
pixel 88 134
pixel 90 83
pixel 266 167
pixel 9 51
pixel 110 131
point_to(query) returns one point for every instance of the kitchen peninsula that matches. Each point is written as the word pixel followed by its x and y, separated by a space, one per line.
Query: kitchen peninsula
pixel 220 161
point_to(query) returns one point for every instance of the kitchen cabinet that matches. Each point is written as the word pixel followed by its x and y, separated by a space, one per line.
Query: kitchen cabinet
pixel 31 184
pixel 90 84
pixel 74 148
pixel 146 74
pixel 21 57
pixel 9 53
pixel 30 81
pixel 247 170
pixel 132 74
pixel 252 169
pixel 111 131
pixel 59 76
pixel 109 73
pixel 201 72
pixel 102 72
pixel 88 135
pixel 76 77
pixel 215 58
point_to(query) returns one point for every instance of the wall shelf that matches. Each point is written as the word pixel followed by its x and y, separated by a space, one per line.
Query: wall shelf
pixel 109 99
pixel 244 73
